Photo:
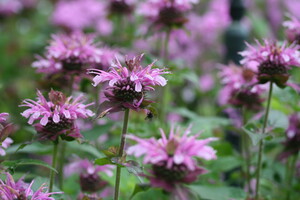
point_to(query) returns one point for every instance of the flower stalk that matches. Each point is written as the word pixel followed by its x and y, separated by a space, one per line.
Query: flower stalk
pixel 289 174
pixel 261 143
pixel 120 154
pixel 54 161
pixel 165 55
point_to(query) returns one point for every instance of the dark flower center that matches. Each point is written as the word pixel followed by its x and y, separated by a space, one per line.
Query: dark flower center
pixel 21 196
pixel 274 72
pixel 171 16
pixel 125 91
pixel 271 68
pixel 175 173
pixel 244 97
pixel 297 39
pixel 91 182
pixel 63 124
pixel 120 7
pixel 72 64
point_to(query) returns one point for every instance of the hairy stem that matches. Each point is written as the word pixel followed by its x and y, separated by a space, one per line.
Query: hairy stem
pixel 260 151
pixel 54 160
pixel 121 150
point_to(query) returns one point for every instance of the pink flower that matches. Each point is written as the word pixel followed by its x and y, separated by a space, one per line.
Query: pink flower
pixel 77 15
pixel 90 179
pixel 172 158
pixel 10 7
pixel 69 53
pixel 127 85
pixel 240 88
pixel 5 130
pixel 20 190
pixel 56 117
pixel 292 29
pixel 3 117
pixel 271 61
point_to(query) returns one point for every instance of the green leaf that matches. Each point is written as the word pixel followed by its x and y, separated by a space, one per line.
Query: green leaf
pixel 227 163
pixel 12 165
pixel 103 161
pixel 218 192
pixel 139 188
pixel 254 133
pixel 277 119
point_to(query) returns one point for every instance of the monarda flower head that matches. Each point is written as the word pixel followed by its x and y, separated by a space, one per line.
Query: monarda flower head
pixel 90 178
pixel 69 54
pixel 170 13
pixel 11 190
pixel 240 88
pixel 57 116
pixel 272 61
pixel 172 158
pixel 127 86
pixel 292 29
pixel 5 130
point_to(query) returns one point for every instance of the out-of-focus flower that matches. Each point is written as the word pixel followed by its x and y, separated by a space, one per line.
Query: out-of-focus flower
pixel 292 29
pixel 166 13
pixel 172 158
pixel 128 85
pixel 90 178
pixel 293 7
pixel 76 15
pixel 121 6
pixel 206 82
pixel 240 88
pixel 292 143
pixel 5 130
pixel 56 117
pixel 20 190
pixel 189 45
pixel 271 61
pixel 69 53
pixel 10 7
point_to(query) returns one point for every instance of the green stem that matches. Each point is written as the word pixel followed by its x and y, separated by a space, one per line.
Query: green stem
pixel 54 160
pixel 260 151
pixel 291 171
pixel 163 99
pixel 246 151
pixel 121 150
pixel 62 151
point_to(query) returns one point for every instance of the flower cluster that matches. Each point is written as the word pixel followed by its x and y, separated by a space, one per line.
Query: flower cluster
pixel 168 12
pixel 128 85
pixel 172 158
pixel 271 61
pixel 240 88
pixel 20 190
pixel 69 53
pixel 56 117
pixel 5 131
pixel 293 29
